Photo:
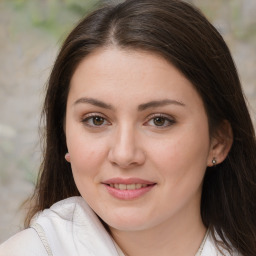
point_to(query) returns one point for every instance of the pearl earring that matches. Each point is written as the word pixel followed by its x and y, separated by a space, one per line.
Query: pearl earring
pixel 214 161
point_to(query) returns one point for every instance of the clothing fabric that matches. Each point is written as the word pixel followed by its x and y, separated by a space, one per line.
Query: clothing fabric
pixel 71 228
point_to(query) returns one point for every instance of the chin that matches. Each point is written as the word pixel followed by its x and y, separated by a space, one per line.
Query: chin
pixel 127 223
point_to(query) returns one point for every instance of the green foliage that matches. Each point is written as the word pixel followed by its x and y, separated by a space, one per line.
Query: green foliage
pixel 55 17
pixel 241 30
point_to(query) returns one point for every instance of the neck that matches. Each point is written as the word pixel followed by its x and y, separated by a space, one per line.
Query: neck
pixel 182 235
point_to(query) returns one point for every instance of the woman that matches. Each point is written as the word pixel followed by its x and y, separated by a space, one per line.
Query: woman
pixel 150 149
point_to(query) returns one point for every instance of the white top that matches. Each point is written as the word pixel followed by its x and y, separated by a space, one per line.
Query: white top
pixel 71 228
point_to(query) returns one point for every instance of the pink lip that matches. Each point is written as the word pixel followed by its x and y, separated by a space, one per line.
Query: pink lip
pixel 128 181
pixel 128 194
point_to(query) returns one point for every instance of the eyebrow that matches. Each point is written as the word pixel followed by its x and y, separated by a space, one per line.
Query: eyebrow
pixel 159 103
pixel 94 102
pixel 141 107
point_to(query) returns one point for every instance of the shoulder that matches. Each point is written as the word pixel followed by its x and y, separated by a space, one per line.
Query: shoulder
pixel 70 227
pixel 26 242
pixel 210 248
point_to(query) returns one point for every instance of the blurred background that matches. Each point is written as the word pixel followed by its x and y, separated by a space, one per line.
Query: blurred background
pixel 31 32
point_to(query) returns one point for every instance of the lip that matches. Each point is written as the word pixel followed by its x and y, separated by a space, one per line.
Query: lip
pixel 131 193
pixel 128 181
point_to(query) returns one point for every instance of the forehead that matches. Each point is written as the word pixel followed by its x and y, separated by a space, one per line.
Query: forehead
pixel 118 75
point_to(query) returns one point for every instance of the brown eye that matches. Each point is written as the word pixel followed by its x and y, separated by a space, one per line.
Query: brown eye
pixel 98 120
pixel 95 121
pixel 159 121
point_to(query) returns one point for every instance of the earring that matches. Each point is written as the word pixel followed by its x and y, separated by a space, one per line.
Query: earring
pixel 214 161
pixel 67 157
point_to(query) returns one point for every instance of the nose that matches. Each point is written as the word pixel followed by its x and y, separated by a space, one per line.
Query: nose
pixel 125 150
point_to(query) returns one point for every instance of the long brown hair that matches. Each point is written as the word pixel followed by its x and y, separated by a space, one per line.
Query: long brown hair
pixel 181 34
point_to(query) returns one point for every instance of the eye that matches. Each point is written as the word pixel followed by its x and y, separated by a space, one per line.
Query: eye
pixel 95 121
pixel 160 121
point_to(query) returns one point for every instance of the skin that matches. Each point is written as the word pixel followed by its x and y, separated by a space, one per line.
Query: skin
pixel 128 141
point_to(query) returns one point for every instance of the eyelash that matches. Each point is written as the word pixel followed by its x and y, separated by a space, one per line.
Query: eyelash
pixel 93 116
pixel 168 121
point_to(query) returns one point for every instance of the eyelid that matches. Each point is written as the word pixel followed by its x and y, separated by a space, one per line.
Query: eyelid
pixel 171 118
pixel 91 114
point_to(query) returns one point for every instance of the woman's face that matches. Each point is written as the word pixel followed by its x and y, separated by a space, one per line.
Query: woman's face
pixel 138 137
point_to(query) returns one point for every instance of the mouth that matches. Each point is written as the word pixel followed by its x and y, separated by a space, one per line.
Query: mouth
pixel 128 186
pixel 128 189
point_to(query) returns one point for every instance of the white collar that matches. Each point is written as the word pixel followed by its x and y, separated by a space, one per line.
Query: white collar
pixel 72 228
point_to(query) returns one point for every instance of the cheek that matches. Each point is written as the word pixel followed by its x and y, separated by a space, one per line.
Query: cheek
pixel 85 159
pixel 86 153
pixel 183 154
pixel 86 164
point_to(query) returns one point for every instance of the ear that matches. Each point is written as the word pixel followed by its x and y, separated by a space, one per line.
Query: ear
pixel 221 143
pixel 67 157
